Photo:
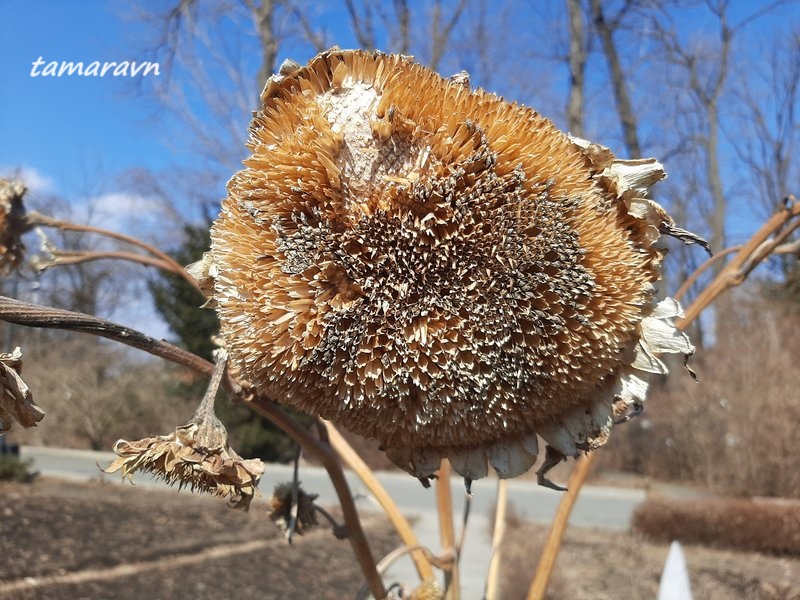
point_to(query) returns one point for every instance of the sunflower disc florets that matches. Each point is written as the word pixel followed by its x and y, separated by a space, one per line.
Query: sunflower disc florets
pixel 438 269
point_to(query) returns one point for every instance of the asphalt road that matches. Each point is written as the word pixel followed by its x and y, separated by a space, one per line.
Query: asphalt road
pixel 597 507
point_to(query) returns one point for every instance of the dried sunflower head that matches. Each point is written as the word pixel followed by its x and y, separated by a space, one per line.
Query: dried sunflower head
pixel 12 225
pixel 438 269
pixel 281 505
pixel 16 400
pixel 196 455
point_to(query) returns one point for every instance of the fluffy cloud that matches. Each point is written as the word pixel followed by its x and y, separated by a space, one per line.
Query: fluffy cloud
pixel 36 182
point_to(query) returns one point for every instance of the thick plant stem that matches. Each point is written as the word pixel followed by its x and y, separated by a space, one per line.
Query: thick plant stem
pixel 552 545
pixel 447 534
pixel 35 315
pixel 367 477
pixel 493 576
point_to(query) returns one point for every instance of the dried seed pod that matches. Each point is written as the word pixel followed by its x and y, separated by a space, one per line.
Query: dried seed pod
pixel 281 506
pixel 196 455
pixel 438 269
pixel 12 225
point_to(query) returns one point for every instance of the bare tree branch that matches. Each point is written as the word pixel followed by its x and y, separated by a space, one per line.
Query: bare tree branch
pixel 440 37
pixel 362 25
pixel 404 25
pixel 627 116
pixel 263 18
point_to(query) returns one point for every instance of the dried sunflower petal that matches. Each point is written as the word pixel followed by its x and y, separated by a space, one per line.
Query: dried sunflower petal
pixel 438 269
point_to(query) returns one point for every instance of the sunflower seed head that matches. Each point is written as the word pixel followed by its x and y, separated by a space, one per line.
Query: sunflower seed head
pixel 436 268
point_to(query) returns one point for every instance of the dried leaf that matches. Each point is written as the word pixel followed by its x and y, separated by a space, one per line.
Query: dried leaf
pixel 16 399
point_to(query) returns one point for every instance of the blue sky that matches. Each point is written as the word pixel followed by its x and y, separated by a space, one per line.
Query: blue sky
pixel 65 128
pixel 69 129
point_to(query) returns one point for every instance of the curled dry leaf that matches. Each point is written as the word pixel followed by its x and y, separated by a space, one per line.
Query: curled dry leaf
pixel 16 400
pixel 195 455
pixel 281 505
pixel 438 269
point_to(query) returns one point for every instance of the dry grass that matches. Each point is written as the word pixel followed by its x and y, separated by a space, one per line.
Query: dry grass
pixel 723 523
pixel 736 431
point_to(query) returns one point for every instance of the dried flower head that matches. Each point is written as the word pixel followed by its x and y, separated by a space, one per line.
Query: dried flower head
pixel 195 455
pixel 282 505
pixel 12 225
pixel 439 269
pixel 16 400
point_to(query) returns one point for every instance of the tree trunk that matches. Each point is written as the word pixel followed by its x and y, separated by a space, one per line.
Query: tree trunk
pixel 577 68
pixel 623 102
pixel 263 15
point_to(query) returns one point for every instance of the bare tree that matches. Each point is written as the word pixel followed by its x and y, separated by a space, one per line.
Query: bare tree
pixel 209 82
pixel 768 119
pixel 437 26
pixel 577 67
pixel 706 73
pixel 442 30
pixel 605 28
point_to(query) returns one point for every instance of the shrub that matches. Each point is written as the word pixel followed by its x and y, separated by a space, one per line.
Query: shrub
pixel 13 468
pixel 724 523
pixel 734 432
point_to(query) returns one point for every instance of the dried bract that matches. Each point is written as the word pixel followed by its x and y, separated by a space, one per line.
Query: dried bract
pixel 282 505
pixel 438 269
pixel 16 400
pixel 427 590
pixel 12 225
pixel 195 455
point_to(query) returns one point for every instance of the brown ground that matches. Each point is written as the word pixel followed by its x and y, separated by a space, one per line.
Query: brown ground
pixel 75 541
pixel 597 565
pixel 94 540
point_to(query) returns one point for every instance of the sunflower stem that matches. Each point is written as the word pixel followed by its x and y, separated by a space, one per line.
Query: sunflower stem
pixel 295 493
pixel 493 576
pixel 205 412
pixel 398 520
pixel 447 536
pixel 35 219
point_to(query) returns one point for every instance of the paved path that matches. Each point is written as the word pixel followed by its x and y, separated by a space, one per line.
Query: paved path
pixel 598 507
